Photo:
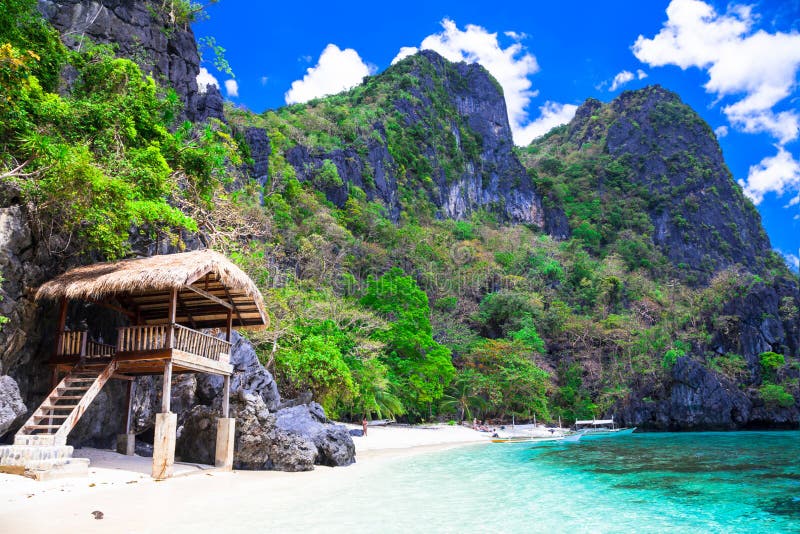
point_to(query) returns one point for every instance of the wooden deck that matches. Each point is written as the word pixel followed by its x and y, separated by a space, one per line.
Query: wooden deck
pixel 144 350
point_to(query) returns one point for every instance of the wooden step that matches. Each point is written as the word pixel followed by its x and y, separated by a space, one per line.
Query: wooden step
pixel 75 388
pixel 69 407
pixel 87 379
pixel 52 416
pixel 41 427
pixel 66 397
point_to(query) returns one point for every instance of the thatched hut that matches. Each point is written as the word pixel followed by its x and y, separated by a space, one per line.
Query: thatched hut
pixel 167 300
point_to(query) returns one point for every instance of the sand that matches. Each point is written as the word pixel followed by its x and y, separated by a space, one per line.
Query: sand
pixel 199 498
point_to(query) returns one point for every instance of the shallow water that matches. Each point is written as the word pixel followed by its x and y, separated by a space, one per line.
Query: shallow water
pixel 689 482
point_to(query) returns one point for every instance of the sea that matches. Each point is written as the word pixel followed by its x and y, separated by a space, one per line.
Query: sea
pixel 651 482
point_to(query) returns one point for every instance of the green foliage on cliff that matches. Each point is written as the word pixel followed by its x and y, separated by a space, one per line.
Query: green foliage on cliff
pixel 100 161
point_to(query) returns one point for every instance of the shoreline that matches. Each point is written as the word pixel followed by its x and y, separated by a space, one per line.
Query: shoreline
pixel 121 487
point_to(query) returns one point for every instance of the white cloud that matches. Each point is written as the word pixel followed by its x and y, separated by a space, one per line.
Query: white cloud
pixel 551 114
pixel 777 174
pixel 791 260
pixel 640 74
pixel 232 88
pixel 404 52
pixel 511 66
pixel 264 80
pixel 757 67
pixel 621 79
pixel 517 36
pixel 204 79
pixel 335 71
pixel 721 131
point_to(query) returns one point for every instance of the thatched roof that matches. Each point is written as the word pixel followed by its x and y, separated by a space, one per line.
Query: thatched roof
pixel 143 286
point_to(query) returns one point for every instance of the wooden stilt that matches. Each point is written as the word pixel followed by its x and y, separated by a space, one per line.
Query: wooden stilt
pixel 167 388
pixel 229 326
pixel 226 393
pixel 128 413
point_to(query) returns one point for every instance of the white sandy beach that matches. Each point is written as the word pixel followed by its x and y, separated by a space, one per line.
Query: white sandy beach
pixel 200 499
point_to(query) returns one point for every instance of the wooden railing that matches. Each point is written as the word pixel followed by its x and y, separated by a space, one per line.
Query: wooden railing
pixel 72 344
pixel 201 344
pixel 156 337
pixel 99 350
pixel 142 338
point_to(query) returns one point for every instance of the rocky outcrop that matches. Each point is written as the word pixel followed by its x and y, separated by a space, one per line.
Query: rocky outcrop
pixel 697 399
pixel 470 165
pixel 293 439
pixel 11 406
pixel 701 220
pixel 142 31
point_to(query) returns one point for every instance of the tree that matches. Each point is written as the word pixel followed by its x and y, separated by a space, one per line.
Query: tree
pixel 513 383
pixel 419 367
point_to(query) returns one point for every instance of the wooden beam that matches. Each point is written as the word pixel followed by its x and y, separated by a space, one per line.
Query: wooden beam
pixel 233 303
pixel 110 306
pixel 228 328
pixel 186 310
pixel 166 391
pixel 209 296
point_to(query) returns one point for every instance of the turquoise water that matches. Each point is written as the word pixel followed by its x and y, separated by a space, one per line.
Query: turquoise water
pixel 689 482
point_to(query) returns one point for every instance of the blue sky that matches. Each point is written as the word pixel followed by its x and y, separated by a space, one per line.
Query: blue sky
pixel 736 64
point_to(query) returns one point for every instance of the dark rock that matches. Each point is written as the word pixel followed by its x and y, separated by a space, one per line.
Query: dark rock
pixel 248 375
pixel 333 442
pixel 142 32
pixel 697 399
pixel 260 149
pixel 356 432
pixel 12 409
pixel 198 436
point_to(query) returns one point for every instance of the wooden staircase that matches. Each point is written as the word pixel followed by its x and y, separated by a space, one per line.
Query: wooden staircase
pixel 63 407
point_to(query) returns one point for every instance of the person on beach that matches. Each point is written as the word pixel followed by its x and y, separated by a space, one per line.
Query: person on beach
pixel 364 426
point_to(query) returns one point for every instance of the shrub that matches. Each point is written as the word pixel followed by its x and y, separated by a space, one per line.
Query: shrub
pixel 774 395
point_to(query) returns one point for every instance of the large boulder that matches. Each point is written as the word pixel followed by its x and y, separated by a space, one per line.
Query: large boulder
pixel 248 375
pixel 333 442
pixel 12 408
pixel 293 439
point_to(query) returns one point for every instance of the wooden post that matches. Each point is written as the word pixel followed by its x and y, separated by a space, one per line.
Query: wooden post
pixel 128 414
pixel 229 326
pixel 167 388
pixel 62 323
pixel 226 393
pixel 173 300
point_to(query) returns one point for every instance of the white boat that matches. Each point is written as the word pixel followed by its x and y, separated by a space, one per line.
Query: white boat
pixel 600 428
pixel 533 434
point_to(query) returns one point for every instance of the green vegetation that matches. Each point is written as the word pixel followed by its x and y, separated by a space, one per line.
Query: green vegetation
pixel 379 313
pixel 775 395
pixel 100 161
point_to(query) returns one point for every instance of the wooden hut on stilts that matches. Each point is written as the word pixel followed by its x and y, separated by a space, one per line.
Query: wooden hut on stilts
pixel 167 301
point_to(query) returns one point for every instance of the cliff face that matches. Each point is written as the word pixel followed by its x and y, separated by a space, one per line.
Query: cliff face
pixel 438 131
pixel 143 33
pixel 663 155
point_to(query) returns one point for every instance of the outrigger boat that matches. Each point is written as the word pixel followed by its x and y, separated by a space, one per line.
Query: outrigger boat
pixel 600 428
pixel 534 435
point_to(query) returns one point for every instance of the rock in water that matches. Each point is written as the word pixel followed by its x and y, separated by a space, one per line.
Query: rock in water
pixel 11 406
